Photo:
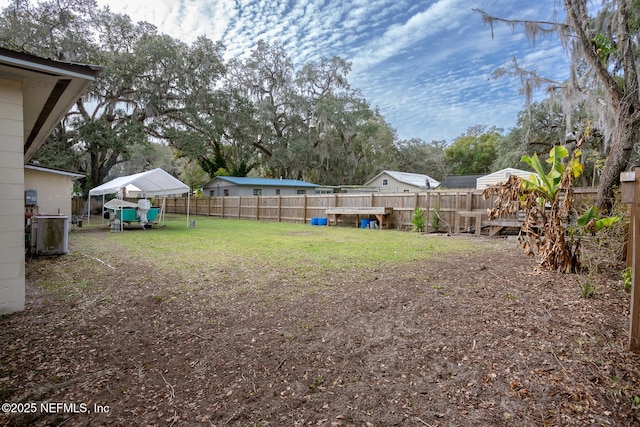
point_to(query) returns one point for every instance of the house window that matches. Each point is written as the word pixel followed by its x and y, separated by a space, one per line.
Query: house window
pixel 257 191
pixel 212 193
pixel 385 182
pixel 277 191
pixel 301 191
pixel 226 192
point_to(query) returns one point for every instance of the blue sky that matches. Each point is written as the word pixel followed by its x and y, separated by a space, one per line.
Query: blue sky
pixel 426 64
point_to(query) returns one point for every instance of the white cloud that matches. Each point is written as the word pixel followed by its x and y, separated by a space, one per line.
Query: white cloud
pixel 439 16
pixel 425 63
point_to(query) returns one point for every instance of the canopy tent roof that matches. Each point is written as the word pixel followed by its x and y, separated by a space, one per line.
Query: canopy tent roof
pixel 155 182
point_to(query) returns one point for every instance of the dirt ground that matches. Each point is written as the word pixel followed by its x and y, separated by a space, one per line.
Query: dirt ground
pixel 467 340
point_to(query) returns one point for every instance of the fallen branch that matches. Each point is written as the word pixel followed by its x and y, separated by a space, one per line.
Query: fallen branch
pixel 422 422
pixel 235 414
pixel 443 220
pixel 100 261
pixel 280 364
pixel 173 391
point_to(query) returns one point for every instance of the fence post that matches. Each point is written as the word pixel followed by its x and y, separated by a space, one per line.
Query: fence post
pixel 280 208
pixel 257 208
pixel 304 211
pixel 630 194
pixel 427 214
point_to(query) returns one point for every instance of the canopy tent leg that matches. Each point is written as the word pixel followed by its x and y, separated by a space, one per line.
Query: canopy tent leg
pixel 162 209
pixel 188 206
pixel 121 197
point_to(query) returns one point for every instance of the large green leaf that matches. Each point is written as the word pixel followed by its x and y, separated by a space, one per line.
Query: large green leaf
pixel 556 154
pixel 606 222
pixel 590 216
pixel 540 183
pixel 587 216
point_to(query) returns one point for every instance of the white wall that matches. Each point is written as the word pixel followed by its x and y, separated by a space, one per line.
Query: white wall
pixel 499 177
pixel 243 191
pixel 393 186
pixel 12 277
pixel 54 191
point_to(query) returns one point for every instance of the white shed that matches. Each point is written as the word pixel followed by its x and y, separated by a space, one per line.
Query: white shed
pixel 500 176
pixel 401 182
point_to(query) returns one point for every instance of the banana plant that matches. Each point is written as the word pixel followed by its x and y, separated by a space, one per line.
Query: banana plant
pixel 547 184
pixel 590 222
pixel 547 214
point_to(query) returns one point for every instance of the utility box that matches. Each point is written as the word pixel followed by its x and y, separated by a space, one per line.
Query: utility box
pixel 49 235
pixel 30 197
pixel 628 187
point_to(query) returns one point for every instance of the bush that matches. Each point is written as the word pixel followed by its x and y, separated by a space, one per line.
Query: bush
pixel 606 249
pixel 418 220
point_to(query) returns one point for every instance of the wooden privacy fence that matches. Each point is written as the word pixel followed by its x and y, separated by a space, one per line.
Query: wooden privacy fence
pixel 446 204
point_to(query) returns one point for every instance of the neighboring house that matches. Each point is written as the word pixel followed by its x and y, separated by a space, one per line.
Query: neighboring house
pixel 401 182
pixel 35 94
pixel 500 176
pixel 460 181
pixel 223 186
pixel 52 189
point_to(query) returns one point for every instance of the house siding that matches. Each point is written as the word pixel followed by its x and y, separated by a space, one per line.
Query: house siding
pixel 233 190
pixel 500 176
pixel 393 186
pixel 54 191
pixel 12 261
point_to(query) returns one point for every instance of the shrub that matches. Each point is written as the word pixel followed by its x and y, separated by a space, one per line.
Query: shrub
pixel 418 220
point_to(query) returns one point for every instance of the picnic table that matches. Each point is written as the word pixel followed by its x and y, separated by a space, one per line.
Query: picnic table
pixel 381 213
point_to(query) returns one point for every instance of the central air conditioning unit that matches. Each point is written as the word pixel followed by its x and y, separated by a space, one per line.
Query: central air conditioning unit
pixel 49 235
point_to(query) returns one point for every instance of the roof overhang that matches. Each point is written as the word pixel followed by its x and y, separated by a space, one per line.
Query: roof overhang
pixel 72 175
pixel 50 88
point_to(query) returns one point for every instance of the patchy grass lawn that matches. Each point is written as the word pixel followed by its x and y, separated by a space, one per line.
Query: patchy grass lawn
pixel 256 323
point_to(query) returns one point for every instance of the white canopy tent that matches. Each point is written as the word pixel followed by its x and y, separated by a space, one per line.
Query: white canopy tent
pixel 152 183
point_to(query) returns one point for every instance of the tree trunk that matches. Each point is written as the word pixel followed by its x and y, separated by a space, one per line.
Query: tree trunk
pixel 623 99
pixel 627 134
